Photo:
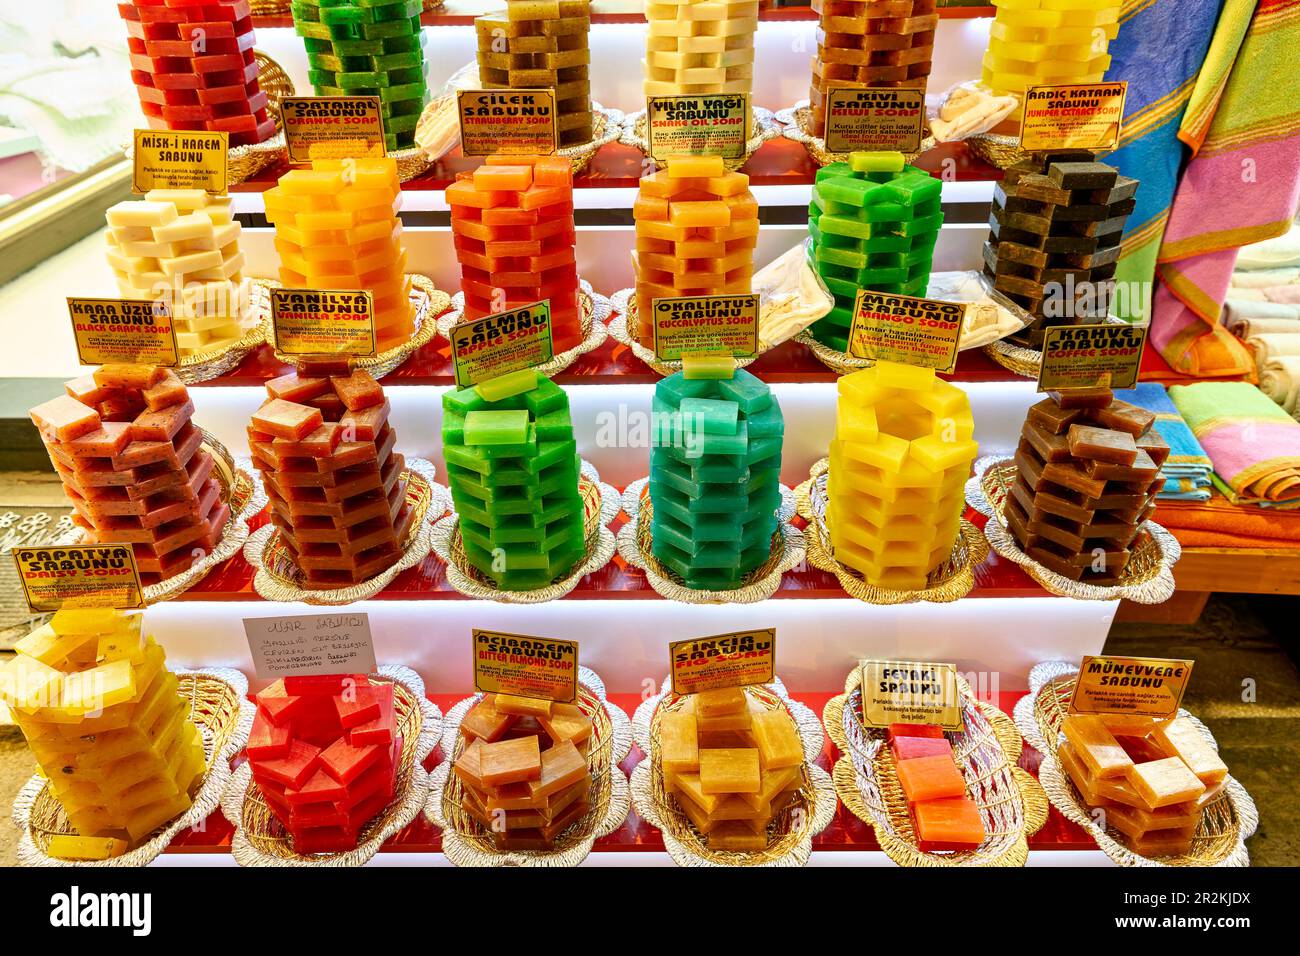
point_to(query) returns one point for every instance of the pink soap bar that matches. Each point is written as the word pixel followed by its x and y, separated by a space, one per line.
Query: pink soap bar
pixel 163 424
pixel 287 419
pixel 64 418
pixel 908 748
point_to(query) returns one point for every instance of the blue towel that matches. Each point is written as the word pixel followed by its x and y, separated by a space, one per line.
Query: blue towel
pixel 1187 470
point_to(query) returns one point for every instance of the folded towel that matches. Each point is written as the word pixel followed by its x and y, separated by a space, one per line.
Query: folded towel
pixel 1245 328
pixel 1219 523
pixel 1254 444
pixel 1187 470
pixel 1267 345
pixel 1278 252
pixel 1263 277
pixel 1279 379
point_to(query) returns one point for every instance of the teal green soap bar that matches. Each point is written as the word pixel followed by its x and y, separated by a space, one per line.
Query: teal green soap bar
pixel 714 416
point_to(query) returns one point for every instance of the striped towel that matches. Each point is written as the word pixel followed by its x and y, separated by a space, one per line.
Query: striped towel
pixel 1254 444
pixel 1187 470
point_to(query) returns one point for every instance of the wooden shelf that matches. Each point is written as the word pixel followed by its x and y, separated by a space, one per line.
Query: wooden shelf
pixel 845 832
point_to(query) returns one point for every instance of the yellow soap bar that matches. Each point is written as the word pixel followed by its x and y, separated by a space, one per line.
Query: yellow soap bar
pixel 678 743
pixel 523 706
pixel 731 770
pixel 27 684
pixel 777 740
pixel 68 847
pixel 723 700
pixel 682 167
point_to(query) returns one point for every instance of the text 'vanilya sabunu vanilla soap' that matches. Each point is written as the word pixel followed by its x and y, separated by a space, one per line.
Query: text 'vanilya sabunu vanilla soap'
pixel 870 44
pixel 130 461
pixel 899 461
pixel 1087 473
pixel 324 447
pixel 368 48
pixel 696 230
pixel 523 769
pixel 181 247
pixel 194 69
pixel 715 473
pixel 699 47
pixel 874 222
pixel 512 220
pixel 512 464
pixel 336 227
pixel 542 44
pixel 106 723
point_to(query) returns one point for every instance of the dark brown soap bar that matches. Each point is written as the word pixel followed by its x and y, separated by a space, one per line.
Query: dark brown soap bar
pixel 1040 188
pixel 1052 416
pixel 1142 470
pixel 1048 446
pixel 1082 398
pixel 1100 257
pixel 1124 417
pixel 1102 444
pixel 1065 155
pixel 1079 212
pixel 1070 175
pixel 1125 188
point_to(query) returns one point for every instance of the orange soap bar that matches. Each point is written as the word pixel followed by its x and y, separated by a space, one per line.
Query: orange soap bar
pixel 1096 746
pixel 1182 737
pixel 563 726
pixel 930 778
pixel 523 706
pixel 129 376
pixel 951 823
pixel 64 418
pixel 1164 782
pixel 679 750
pixel 776 738
pixel 730 770
pixel 562 766
pixel 485 722
pixel 510 761
pixel 467 765
pixel 287 419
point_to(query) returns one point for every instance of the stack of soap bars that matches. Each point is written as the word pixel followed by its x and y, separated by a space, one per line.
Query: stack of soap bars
pixel 699 47
pixel 899 460
pixel 129 458
pixel 368 48
pixel 715 473
pixel 185 84
pixel 513 225
pixel 874 221
pixel 1054 238
pixel 512 464
pixel 1087 473
pixel 1153 778
pixel 732 763
pixel 870 43
pixel 523 769
pixel 336 227
pixel 324 753
pixel 943 816
pixel 181 246
pixel 1049 43
pixel 325 450
pixel 104 719
pixel 696 230
pixel 542 44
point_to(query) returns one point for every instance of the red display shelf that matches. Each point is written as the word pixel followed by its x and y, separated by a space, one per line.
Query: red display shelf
pixel 444 19
pixel 778 162
pixel 610 364
pixel 427 581
pixel 846 832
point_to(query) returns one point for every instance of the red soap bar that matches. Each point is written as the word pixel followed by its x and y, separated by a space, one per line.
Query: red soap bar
pixel 380 729
pixel 323 840
pixel 948 824
pixel 909 748
pixel 344 762
pixel 293 768
pixel 359 707
pixel 287 419
pixel 915 730
pixel 266 740
pixel 64 418
pixel 279 706
pixel 311 685
pixel 929 778
pixel 358 390
pixel 320 788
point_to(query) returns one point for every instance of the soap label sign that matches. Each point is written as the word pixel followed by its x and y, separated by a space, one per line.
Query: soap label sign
pixel 180 159
pixel 323 321
pixel 308 645
pixel 1133 686
pixel 123 332
pixel 499 344
pixel 738 659
pixel 877 120
pixel 910 692
pixel 79 576
pixel 905 329
pixel 544 668
pixel 332 127
pixel 705 325
pixel 1073 116
pixel 1091 356
pixel 715 124
pixel 507 122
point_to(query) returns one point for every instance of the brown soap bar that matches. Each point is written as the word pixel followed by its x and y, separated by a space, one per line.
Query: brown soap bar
pixel 1142 470
pixel 1154 444
pixel 1052 416
pixel 1102 444
pixel 1124 417
pixel 1083 398
pixel 1072 175
pixel 1049 446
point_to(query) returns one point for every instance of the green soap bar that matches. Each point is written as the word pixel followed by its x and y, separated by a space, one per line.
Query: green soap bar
pixel 315 31
pixel 821 238
pixel 465 457
pixel 712 470
pixel 766 423
pixel 305 12
pixel 509 385
pixel 402 125
pixel 841 257
pixel 344 16
pixel 385 29
pixel 411 43
pixel 316 45
pixel 367 48
pixel 677 387
pixel 400 61
pixel 840 288
pixel 714 416
pixel 870 278
pixel 546 397
pixel 747 391
pixel 462 400
pixel 886 242
pixel 551 453
pixel 453 427
pixel 407 91
pixel 733 444
pixel 554 426
pixel 850 191
pixel 843 226
pixel 760 451
pixel 869 162
pixel 833 171
pixel 887 212
pixel 913 190
pixel 840 316
pixel 497 427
